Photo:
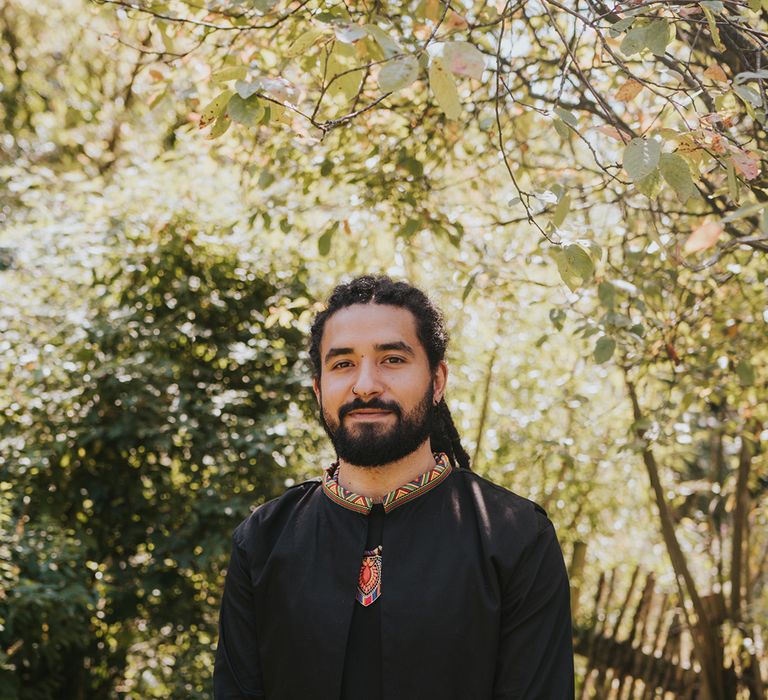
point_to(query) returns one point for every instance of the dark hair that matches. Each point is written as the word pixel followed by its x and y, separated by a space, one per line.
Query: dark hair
pixel 430 330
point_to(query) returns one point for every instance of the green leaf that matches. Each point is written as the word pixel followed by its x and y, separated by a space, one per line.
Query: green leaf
pixel 245 89
pixel 348 32
pixel 166 37
pixel 674 169
pixel 444 87
pixel 409 228
pixel 263 5
pixel 604 348
pixel 623 24
pixel 387 44
pixel 248 112
pixel 562 130
pixel 568 117
pixel 743 77
pixel 468 288
pixel 650 185
pixel 324 242
pixel 641 156
pixel 746 373
pixel 398 73
pixel 657 35
pixel 214 108
pixel 266 178
pixel 593 249
pixel 557 316
pixel 733 184
pixel 413 165
pixel 634 41
pixel 606 292
pixel 749 95
pixel 574 264
pixel 746 210
pixel 561 210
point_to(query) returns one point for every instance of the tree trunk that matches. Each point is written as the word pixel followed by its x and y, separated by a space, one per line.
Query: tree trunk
pixel 739 521
pixel 484 407
pixel 709 648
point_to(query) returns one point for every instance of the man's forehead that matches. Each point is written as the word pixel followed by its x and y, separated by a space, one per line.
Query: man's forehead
pixel 368 325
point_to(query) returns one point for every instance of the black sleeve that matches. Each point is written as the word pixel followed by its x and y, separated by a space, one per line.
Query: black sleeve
pixel 237 671
pixel 535 659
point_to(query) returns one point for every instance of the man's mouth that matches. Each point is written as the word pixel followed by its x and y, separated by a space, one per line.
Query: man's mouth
pixel 368 413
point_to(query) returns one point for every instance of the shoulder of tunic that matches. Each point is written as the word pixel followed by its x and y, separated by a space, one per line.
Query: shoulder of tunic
pixel 503 513
pixel 266 520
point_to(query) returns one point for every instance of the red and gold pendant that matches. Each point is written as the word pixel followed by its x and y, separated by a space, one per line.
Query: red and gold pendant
pixel 369 581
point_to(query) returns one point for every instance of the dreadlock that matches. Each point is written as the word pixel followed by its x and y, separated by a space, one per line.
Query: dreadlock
pixel 430 329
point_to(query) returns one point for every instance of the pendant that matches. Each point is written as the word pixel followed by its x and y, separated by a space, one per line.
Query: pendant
pixel 369 581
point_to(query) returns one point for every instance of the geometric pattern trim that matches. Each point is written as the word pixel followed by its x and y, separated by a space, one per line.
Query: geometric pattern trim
pixel 402 494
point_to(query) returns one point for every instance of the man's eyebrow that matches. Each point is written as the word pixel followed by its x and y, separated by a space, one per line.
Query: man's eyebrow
pixel 397 345
pixel 335 352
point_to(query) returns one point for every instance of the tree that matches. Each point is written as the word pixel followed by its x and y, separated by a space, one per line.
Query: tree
pixel 151 432
pixel 591 215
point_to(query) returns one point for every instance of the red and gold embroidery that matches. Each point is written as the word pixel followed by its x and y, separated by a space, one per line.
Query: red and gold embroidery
pixel 402 494
pixel 369 581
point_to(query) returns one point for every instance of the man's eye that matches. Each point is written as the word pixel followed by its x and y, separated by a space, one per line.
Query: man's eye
pixel 341 365
pixel 394 360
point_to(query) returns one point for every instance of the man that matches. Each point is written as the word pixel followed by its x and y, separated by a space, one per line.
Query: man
pixel 402 575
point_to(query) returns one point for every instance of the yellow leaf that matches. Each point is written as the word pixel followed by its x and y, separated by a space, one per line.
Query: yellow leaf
pixel 304 42
pixel 715 72
pixel 444 86
pixel 629 90
pixel 214 108
pixel 432 9
pixel 713 29
pixel 691 150
pixel 230 73
pixel 703 237
pixel 220 126
pixel 340 74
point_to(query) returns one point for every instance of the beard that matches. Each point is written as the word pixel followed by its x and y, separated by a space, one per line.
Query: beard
pixel 372 444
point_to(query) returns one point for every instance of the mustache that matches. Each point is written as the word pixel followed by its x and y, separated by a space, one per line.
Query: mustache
pixel 358 404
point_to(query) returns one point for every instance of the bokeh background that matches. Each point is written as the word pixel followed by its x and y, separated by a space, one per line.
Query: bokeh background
pixel 579 186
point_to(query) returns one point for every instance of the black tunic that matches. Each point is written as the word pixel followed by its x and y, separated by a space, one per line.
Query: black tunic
pixel 474 600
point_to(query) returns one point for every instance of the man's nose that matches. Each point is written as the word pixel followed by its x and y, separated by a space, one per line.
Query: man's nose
pixel 368 380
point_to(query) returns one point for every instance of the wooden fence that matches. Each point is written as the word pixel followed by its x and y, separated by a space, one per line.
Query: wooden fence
pixel 637 645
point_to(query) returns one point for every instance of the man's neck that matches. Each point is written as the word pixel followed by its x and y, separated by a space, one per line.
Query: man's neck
pixel 377 482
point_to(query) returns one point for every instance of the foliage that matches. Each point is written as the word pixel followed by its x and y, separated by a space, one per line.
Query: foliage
pixel 678 88
pixel 153 428
pixel 582 188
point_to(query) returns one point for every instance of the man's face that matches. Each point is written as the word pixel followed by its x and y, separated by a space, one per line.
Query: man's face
pixel 374 350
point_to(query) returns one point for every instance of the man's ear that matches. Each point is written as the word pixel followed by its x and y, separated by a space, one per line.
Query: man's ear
pixel 316 387
pixel 440 381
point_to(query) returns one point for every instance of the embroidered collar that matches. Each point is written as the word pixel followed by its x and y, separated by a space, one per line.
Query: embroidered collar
pixel 402 494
